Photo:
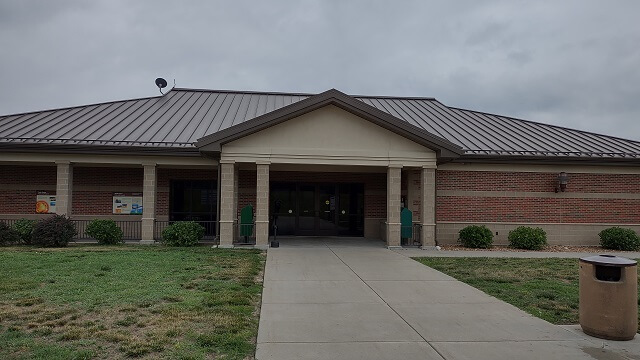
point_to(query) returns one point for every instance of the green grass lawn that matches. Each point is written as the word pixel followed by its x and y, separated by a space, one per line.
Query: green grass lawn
pixel 546 288
pixel 99 302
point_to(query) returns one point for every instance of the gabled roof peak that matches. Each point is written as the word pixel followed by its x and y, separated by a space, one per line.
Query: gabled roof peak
pixel 444 148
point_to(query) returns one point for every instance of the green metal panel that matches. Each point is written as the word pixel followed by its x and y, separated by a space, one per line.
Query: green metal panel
pixel 406 223
pixel 246 221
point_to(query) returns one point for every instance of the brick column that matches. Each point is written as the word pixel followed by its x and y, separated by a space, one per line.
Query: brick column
pixel 228 203
pixel 64 188
pixel 428 205
pixel 149 187
pixel 262 205
pixel 394 175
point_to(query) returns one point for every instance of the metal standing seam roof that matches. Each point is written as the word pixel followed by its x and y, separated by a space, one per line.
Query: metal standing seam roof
pixel 182 116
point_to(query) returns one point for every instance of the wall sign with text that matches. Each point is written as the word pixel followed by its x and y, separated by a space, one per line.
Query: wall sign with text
pixel 45 202
pixel 127 203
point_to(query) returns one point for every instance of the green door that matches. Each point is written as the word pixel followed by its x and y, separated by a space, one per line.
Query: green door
pixel 406 221
pixel 246 221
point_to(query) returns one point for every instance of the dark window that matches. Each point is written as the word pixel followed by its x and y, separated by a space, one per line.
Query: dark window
pixel 193 200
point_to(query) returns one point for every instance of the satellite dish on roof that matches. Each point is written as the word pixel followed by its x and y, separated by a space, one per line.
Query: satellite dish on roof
pixel 161 84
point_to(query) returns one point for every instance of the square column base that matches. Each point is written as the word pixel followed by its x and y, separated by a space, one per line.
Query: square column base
pixel 428 236
pixel 147 242
pixel 262 233
pixel 226 234
pixel 148 225
pixel 393 234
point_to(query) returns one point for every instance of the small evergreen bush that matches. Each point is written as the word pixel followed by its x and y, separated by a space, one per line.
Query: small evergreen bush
pixel 106 232
pixel 8 236
pixel 183 233
pixel 475 236
pixel 618 238
pixel 24 228
pixel 55 231
pixel 528 238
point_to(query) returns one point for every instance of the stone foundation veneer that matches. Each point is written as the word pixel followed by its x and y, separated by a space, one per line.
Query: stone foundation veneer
pixel 557 234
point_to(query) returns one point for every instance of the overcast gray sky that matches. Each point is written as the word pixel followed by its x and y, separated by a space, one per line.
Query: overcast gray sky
pixel 570 63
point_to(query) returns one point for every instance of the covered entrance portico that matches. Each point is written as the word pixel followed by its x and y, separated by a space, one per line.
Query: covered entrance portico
pixel 320 157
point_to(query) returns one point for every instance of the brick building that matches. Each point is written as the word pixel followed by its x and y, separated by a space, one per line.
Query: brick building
pixel 324 164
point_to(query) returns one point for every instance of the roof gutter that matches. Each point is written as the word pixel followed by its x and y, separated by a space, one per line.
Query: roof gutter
pixel 572 160
pixel 99 149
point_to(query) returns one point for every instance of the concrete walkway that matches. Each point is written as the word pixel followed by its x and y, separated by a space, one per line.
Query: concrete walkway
pixel 354 299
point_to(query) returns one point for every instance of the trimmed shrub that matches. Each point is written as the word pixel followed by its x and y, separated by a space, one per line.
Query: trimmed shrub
pixel 55 231
pixel 107 232
pixel 528 238
pixel 24 228
pixel 618 238
pixel 475 236
pixel 8 236
pixel 183 233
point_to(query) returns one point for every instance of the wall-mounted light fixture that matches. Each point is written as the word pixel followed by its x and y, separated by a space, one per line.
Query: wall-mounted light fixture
pixel 563 179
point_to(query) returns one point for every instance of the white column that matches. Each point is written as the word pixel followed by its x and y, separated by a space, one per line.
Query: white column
pixel 394 184
pixel 428 205
pixel 64 188
pixel 149 189
pixel 262 205
pixel 228 203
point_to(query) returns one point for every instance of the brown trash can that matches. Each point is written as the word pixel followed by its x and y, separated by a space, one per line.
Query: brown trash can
pixel 609 297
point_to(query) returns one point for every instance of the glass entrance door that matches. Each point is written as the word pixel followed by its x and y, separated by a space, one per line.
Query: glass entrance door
pixel 351 209
pixel 306 210
pixel 318 209
pixel 326 210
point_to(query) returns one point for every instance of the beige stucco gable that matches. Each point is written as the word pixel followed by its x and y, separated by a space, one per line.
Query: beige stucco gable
pixel 329 135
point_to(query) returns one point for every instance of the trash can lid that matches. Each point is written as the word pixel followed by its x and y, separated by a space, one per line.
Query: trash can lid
pixel 609 260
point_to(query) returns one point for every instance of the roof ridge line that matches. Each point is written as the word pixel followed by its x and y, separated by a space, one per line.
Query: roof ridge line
pixel 302 94
pixel 255 92
pixel 394 97
pixel 544 124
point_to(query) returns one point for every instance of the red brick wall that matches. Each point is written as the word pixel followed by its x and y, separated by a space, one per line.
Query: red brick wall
pixel 247 188
pixel 19 174
pixel 569 207
pixel 93 188
pixel 536 182
pixel 19 184
pixel 375 187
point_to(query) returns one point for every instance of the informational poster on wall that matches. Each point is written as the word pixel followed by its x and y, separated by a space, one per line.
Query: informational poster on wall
pixel 45 202
pixel 127 203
